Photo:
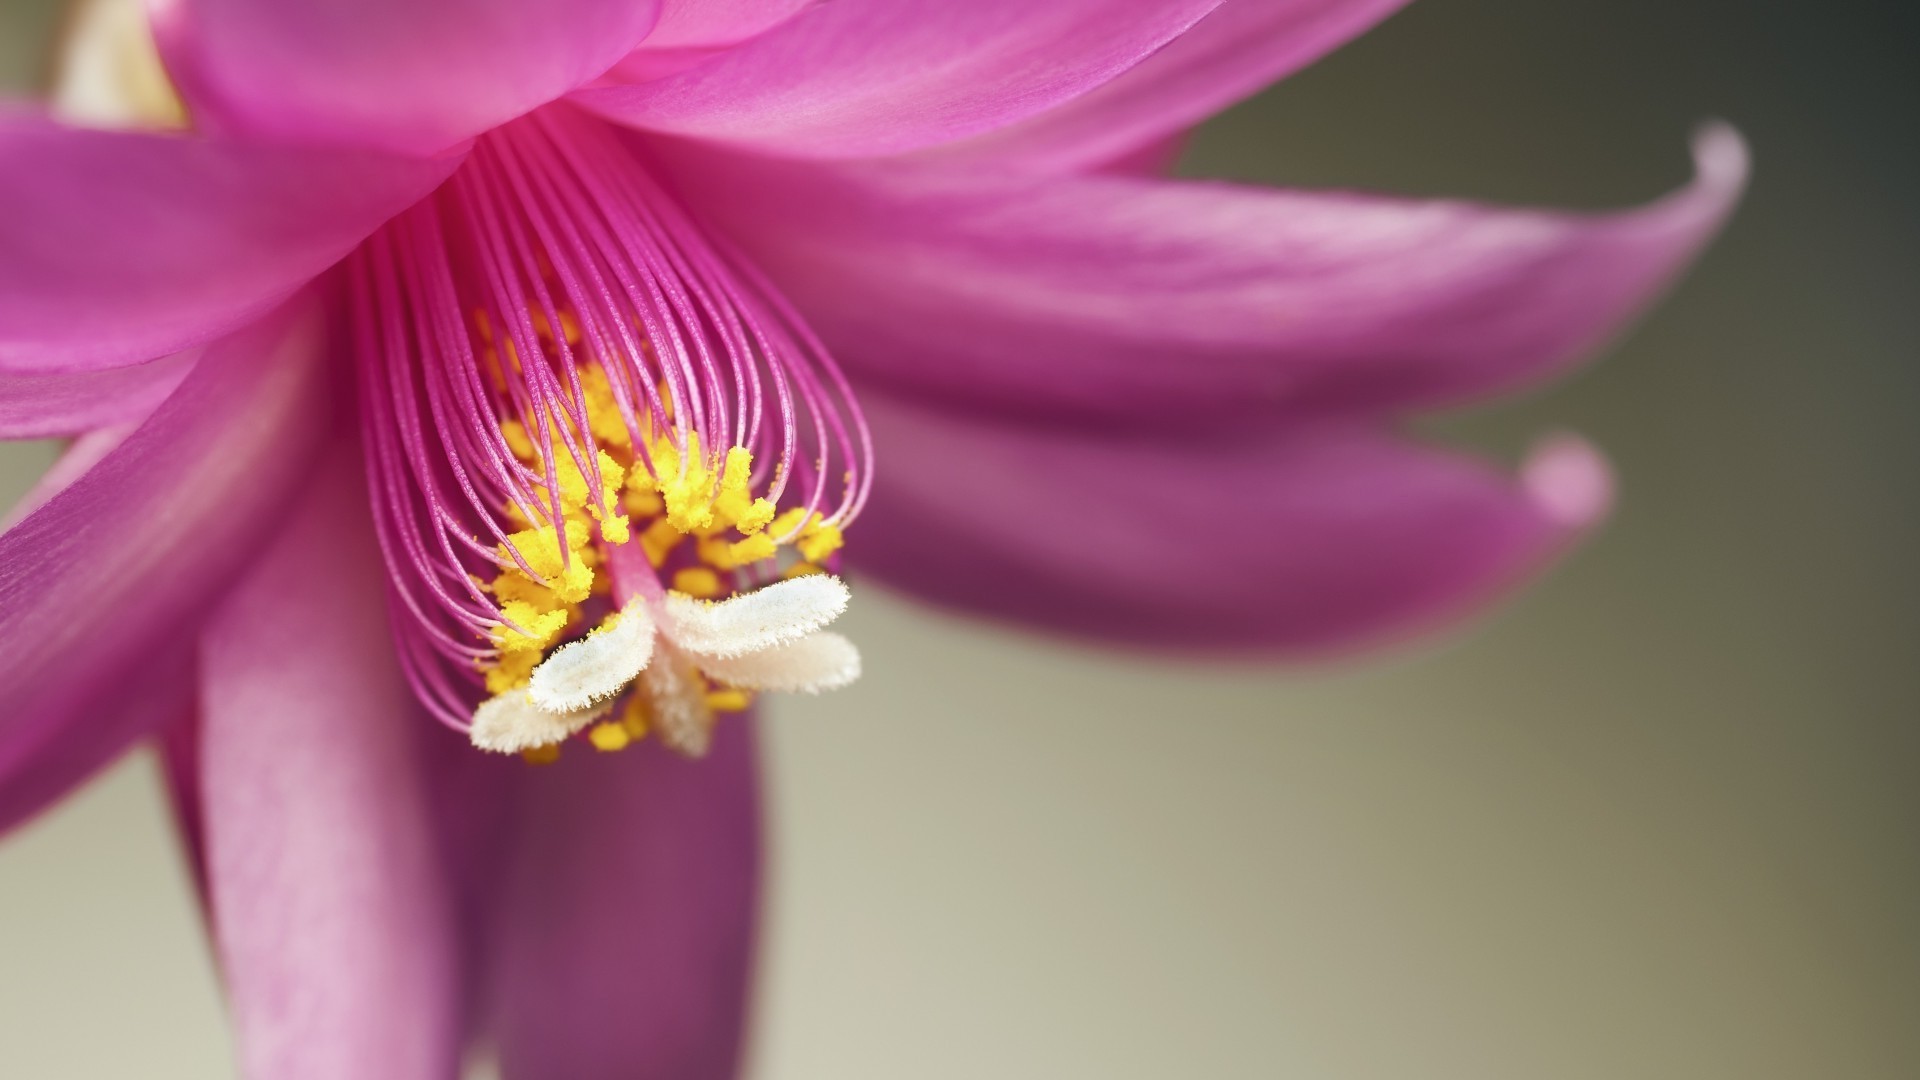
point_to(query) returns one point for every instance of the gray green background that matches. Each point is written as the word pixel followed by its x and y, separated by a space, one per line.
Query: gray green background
pixel 1656 820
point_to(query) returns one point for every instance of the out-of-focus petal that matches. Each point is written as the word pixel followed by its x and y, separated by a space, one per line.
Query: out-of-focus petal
pixel 416 76
pixel 105 583
pixel 117 247
pixel 38 405
pixel 702 24
pixel 692 31
pixel 625 936
pixel 860 78
pixel 1114 296
pixel 1304 539
pixel 1241 47
pixel 145 699
pixel 332 915
pixel 79 456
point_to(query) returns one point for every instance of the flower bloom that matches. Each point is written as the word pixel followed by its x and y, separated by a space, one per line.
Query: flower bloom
pixel 526 367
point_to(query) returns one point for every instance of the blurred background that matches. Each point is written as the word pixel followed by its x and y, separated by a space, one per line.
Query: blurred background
pixel 1655 820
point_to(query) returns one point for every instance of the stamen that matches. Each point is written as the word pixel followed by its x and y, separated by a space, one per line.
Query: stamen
pixel 815 663
pixel 562 366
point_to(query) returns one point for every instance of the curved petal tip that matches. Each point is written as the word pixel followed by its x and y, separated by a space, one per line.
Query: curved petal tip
pixel 1721 157
pixel 1568 480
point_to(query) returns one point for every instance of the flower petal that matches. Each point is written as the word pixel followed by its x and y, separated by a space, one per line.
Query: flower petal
pixel 1243 46
pixel 103 583
pixel 417 76
pixel 80 455
pixel 331 911
pixel 118 247
pixel 625 934
pixel 692 31
pixel 35 406
pixel 861 78
pixel 1123 297
pixel 687 24
pixel 1304 539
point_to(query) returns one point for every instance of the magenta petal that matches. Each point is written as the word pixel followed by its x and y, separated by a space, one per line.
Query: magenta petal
pixel 331 909
pixel 119 247
pixel 625 936
pixel 859 78
pixel 103 584
pixel 38 405
pixel 691 32
pixel 1117 296
pixel 145 699
pixel 1305 539
pixel 1243 46
pixel 80 455
pixel 415 76
pixel 707 23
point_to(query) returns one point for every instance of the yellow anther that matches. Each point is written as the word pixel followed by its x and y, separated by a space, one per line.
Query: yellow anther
pixel 569 325
pixel 540 547
pixel 739 466
pixel 819 540
pixel 605 418
pixel 754 517
pixel 687 496
pixel 634 718
pixel 574 488
pixel 538 628
pixel 698 581
pixel 515 433
pixel 728 699
pixel 735 505
pixel 511 671
pixel 788 521
pixel 514 585
pixel 541 755
pixel 571 580
pixel 687 505
pixel 752 549
pixel 643 502
pixel 814 537
pixel 614 528
pixel 721 555
pixel 659 541
pixel 801 569
pixel 612 475
pixel 609 736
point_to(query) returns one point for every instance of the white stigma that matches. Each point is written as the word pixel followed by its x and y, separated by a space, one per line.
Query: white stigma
pixel 597 666
pixel 511 722
pixel 751 622
pixel 815 663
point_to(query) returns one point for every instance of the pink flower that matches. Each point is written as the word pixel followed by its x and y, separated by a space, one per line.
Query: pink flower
pixel 376 374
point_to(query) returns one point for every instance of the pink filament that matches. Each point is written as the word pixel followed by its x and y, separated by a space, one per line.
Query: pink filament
pixel 551 216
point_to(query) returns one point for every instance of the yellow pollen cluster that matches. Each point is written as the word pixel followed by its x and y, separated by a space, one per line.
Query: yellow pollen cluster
pixel 631 726
pixel 816 538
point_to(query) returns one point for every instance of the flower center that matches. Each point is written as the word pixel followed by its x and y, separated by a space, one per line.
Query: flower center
pixel 590 424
